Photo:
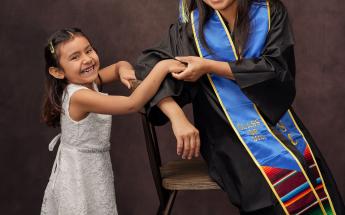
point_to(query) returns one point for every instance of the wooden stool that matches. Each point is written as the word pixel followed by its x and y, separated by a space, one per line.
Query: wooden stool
pixel 174 175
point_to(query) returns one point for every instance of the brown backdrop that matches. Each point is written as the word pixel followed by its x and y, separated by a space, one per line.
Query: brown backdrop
pixel 120 30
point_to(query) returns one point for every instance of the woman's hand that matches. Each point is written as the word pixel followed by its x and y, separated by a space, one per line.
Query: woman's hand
pixel 187 136
pixel 196 68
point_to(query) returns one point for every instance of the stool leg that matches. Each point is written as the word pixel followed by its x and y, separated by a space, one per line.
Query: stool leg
pixel 171 201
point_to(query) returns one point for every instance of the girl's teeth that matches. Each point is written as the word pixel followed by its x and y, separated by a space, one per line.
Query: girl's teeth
pixel 88 70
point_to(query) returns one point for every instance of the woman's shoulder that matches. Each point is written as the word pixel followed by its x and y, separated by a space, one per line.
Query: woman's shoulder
pixel 179 27
pixel 277 7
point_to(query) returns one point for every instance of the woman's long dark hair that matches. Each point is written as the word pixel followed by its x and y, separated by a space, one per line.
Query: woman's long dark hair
pixel 54 87
pixel 242 24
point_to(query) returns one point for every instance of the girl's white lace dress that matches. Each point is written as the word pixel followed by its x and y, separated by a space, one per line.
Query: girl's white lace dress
pixel 82 179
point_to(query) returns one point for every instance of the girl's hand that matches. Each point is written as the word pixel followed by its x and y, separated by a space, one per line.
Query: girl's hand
pixel 187 136
pixel 127 75
pixel 172 66
pixel 196 68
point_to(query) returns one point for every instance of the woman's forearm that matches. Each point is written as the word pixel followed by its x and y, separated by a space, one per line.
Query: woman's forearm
pixel 171 109
pixel 220 68
pixel 187 136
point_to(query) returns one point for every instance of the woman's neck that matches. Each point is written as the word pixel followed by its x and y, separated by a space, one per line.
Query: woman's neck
pixel 230 13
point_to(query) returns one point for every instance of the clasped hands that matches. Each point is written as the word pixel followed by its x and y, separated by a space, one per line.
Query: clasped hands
pixel 195 68
pixel 189 68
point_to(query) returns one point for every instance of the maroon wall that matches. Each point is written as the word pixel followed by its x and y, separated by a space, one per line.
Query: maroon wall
pixel 120 30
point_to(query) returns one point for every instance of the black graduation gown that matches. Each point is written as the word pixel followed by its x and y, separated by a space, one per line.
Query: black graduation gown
pixel 268 81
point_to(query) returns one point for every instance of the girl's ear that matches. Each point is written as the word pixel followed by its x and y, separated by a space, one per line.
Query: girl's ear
pixel 56 73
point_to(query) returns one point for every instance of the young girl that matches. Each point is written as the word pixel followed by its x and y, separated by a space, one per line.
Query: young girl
pixel 81 181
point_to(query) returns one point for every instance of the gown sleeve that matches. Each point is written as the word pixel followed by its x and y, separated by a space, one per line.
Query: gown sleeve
pixel 269 81
pixel 176 43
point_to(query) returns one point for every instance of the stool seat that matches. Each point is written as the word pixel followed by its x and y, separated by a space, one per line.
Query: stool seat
pixel 187 175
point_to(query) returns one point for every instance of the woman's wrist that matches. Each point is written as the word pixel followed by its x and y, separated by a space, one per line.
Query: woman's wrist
pixel 219 67
pixel 207 66
pixel 213 66
pixel 177 116
pixel 171 109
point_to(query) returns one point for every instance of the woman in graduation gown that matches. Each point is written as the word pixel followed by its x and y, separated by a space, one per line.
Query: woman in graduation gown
pixel 241 81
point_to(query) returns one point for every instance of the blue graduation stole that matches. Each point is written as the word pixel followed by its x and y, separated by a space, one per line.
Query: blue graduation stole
pixel 278 164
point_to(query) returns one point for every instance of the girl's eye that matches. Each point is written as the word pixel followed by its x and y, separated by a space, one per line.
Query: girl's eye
pixel 75 57
pixel 89 51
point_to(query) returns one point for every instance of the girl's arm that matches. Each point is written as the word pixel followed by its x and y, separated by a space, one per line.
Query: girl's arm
pixel 85 101
pixel 121 70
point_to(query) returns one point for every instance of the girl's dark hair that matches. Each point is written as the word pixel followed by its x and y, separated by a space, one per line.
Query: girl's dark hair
pixel 242 24
pixel 54 87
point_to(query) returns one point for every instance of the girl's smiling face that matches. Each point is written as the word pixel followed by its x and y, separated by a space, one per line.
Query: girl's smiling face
pixel 79 62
